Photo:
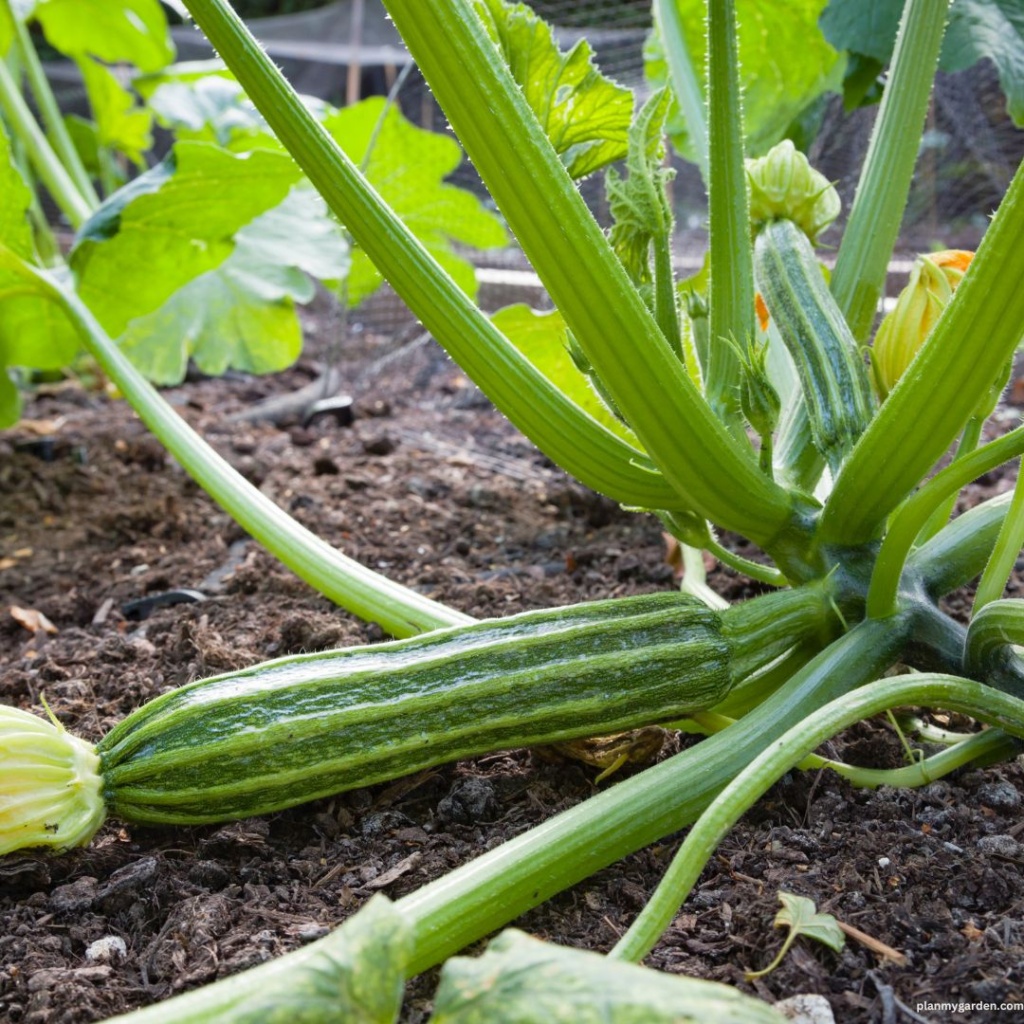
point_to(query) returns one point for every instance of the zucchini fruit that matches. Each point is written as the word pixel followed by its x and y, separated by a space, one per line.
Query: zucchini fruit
pixel 832 371
pixel 295 729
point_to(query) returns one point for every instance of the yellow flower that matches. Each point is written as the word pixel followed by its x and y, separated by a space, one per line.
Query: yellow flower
pixel 932 282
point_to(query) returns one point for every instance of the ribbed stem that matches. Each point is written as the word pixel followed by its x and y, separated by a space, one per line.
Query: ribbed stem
pixel 731 287
pixel 715 475
pixel 1005 552
pixel 50 170
pixel 532 402
pixel 906 524
pixel 685 79
pixel 874 223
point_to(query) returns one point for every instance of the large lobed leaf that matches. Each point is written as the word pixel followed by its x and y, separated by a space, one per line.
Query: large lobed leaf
pixel 585 115
pixel 521 980
pixel 977 29
pixel 171 225
pixel 242 313
pixel 407 165
pixel 785 64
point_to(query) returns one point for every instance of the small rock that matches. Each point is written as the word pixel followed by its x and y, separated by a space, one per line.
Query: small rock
pixel 109 948
pixel 807 1009
pixel 382 445
pixel 209 874
pixel 999 846
pixel 77 895
pixel 1000 796
pixel 469 801
pixel 379 822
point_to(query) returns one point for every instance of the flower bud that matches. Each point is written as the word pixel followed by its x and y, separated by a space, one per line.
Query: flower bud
pixel 903 331
pixel 784 186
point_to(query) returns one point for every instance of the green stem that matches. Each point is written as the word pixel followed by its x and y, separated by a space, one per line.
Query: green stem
pixel 530 400
pixel 754 781
pixel 731 286
pixel 50 170
pixel 709 468
pixel 984 747
pixel 992 635
pixel 799 461
pixel 502 884
pixel 1006 551
pixel 858 280
pixel 53 121
pixel 949 379
pixel 400 611
pixel 685 79
pixel 909 519
pixel 955 555
pixel 666 309
pixel 755 570
pixel 968 443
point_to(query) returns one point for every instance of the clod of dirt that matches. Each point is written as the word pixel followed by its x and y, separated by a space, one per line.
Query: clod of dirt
pixel 470 800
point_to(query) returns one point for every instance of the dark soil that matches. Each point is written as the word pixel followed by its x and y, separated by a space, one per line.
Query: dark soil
pixel 431 486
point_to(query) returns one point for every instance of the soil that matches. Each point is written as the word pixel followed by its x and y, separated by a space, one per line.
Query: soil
pixel 432 486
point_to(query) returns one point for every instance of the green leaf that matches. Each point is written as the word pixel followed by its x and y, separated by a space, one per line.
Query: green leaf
pixel 543 339
pixel 171 225
pixel 120 124
pixel 977 29
pixel 204 104
pixel 521 980
pixel 993 29
pixel 801 917
pixel 33 331
pixel 585 115
pixel 407 166
pixel 115 31
pixel 638 203
pixel 357 976
pixel 785 63
pixel 242 315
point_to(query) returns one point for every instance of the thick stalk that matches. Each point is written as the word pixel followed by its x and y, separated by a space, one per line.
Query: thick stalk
pixel 710 469
pixel 968 443
pixel 731 287
pixel 53 120
pixel 955 555
pixel 950 692
pixel 874 223
pixel 685 79
pixel 949 379
pixel 556 424
pixel 50 170
pixel 399 610
pixel 909 519
pixel 500 885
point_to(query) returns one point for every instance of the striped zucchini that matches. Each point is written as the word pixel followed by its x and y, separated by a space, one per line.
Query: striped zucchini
pixel 832 372
pixel 287 731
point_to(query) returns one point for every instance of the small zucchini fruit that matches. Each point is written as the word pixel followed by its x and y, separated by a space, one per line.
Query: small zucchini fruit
pixel 295 729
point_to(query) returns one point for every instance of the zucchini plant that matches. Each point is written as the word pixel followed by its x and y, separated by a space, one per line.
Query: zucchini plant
pixel 701 413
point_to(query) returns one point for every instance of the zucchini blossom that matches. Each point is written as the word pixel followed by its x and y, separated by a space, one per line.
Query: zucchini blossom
pixel 903 331
pixel 50 785
pixel 784 186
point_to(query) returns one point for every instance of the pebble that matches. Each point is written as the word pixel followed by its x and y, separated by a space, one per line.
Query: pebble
pixel 104 950
pixel 1000 796
pixel 807 1009
pixel 999 846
